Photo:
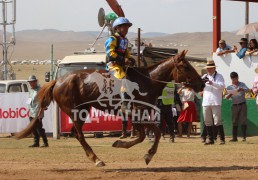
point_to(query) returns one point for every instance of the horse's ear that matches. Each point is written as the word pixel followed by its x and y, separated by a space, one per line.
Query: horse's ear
pixel 181 56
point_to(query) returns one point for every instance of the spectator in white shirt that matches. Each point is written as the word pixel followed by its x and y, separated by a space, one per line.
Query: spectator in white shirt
pixel 212 99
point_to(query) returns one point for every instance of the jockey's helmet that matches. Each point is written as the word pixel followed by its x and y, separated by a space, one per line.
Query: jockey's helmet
pixel 121 20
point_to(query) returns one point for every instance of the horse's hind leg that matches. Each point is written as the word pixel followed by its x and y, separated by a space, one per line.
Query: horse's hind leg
pixel 89 152
pixel 152 151
pixel 128 144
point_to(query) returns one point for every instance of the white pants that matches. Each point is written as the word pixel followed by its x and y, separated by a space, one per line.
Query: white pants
pixel 210 114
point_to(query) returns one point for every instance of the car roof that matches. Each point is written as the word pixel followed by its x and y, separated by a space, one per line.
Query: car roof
pixel 90 58
pixel 13 81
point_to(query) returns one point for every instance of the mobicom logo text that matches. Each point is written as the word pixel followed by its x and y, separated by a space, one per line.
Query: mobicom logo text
pixel 13 113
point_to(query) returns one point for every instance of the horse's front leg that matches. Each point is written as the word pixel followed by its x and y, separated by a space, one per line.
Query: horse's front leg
pixel 152 151
pixel 128 144
pixel 77 127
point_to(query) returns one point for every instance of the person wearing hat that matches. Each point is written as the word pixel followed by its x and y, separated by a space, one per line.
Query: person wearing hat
pixel 118 54
pixel 188 112
pixel 239 108
pixel 212 100
pixel 243 43
pixel 223 48
pixel 116 47
pixel 34 112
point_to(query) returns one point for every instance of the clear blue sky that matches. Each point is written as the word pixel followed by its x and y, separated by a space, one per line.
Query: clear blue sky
pixel 169 16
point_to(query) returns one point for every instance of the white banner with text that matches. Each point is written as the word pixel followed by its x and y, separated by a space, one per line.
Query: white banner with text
pixel 14 113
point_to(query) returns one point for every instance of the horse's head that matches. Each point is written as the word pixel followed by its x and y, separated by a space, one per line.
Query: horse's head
pixel 184 72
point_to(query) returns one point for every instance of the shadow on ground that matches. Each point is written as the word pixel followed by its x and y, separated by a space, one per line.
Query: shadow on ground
pixel 185 169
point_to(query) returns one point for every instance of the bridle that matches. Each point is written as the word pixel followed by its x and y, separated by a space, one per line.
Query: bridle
pixel 165 82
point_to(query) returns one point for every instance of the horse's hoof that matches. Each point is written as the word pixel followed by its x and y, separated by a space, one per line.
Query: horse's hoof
pixel 117 144
pixel 100 164
pixel 148 158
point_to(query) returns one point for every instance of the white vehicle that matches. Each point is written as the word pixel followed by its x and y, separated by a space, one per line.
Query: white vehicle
pixel 94 61
pixel 13 86
pixel 91 61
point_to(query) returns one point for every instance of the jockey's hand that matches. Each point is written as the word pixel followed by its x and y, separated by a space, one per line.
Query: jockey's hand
pixel 111 63
pixel 129 61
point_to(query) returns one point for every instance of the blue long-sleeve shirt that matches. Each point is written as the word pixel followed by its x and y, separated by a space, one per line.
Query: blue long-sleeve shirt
pixel 241 53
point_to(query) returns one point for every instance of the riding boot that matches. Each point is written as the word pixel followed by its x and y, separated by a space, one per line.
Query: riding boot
pixel 215 133
pixel 234 134
pixel 36 139
pixel 36 143
pixel 243 127
pixel 172 135
pixel 210 135
pixel 221 134
pixel 45 141
pixel 204 133
pixel 124 126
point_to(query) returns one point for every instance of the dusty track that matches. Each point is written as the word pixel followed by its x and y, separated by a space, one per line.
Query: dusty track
pixel 185 159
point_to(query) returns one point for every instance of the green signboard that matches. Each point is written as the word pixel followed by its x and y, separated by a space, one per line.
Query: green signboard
pixel 252 118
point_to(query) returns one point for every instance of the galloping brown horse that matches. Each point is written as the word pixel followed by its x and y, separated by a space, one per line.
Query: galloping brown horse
pixel 74 89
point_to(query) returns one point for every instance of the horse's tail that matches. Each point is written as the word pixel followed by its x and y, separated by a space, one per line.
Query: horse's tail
pixel 44 96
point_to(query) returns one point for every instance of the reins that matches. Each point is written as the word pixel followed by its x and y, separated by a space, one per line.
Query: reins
pixel 165 82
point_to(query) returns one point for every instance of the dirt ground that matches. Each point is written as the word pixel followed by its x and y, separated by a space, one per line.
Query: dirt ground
pixel 184 159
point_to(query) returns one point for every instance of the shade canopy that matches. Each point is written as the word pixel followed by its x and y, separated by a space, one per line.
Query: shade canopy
pixel 248 29
pixel 246 0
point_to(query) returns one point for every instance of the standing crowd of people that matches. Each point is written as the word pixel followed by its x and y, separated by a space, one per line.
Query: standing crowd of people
pixel 212 96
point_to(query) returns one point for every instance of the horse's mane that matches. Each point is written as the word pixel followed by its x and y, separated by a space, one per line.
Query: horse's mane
pixel 147 70
pixel 152 67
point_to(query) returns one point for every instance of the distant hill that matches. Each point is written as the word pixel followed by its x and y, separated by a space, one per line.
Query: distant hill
pixel 35 44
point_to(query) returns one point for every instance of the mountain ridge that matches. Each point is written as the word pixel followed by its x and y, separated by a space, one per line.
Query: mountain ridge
pixel 35 44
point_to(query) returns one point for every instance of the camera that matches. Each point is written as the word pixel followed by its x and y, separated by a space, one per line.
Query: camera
pixel 205 79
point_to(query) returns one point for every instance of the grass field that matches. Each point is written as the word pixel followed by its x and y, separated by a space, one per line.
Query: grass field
pixel 184 159
pixel 24 71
